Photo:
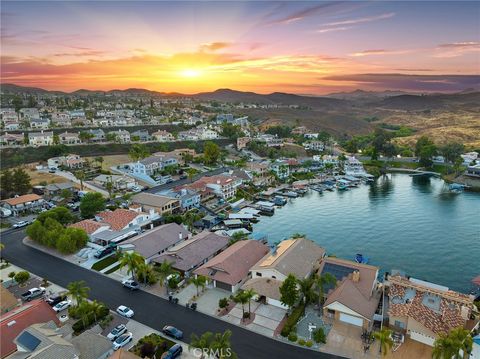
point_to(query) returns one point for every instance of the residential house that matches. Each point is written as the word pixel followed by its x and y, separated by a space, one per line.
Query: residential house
pixel 473 171
pixel 90 226
pixel 20 204
pixel 98 135
pixel 311 136
pixel 158 240
pixel 39 123
pixel 28 114
pixel 9 125
pixel 189 135
pixel 15 321
pixel 71 161
pixel 188 255
pixel 12 139
pixel 120 218
pixel 61 119
pixel 40 138
pixel 142 135
pixel 119 182
pixel 54 191
pixel 300 130
pixel 224 186
pixel 297 256
pixel 163 136
pixel 424 310
pixel 281 168
pixel 160 204
pixel 355 297
pixel 469 158
pixel 8 114
pixel 188 198
pixel 148 166
pixel 314 146
pixel 230 269
pixel 242 142
pixel 69 138
pixel 261 173
pixel 121 136
pixel 7 300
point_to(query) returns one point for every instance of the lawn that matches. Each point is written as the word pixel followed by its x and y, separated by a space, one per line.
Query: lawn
pixel 113 160
pixel 105 262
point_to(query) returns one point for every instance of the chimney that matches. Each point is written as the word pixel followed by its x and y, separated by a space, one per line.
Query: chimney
pixel 180 235
pixel 356 276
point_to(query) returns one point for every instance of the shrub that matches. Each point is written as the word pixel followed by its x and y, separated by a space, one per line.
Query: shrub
pixel 319 336
pixel 309 343
pixel 301 341
pixel 22 277
pixel 292 320
pixel 11 275
pixel 223 303
pixel 292 337
pixel 88 319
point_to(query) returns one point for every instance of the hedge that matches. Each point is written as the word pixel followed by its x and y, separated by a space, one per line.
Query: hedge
pixel 86 322
pixel 292 320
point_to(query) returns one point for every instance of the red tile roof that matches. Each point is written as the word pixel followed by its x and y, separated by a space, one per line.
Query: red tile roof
pixel 23 199
pixel 15 321
pixel 88 225
pixel 118 219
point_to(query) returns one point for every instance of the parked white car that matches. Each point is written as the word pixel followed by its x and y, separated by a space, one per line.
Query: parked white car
pixel 125 311
pixel 117 331
pixel 62 306
pixel 21 224
pixel 122 340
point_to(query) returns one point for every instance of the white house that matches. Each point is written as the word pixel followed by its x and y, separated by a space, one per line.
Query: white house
pixel 40 138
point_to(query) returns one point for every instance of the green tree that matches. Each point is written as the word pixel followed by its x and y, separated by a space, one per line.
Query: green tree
pixel 85 136
pixel 109 187
pixel 451 152
pixel 211 152
pixel 91 204
pixel 79 291
pixel 221 345
pixel 306 289
pixel 77 236
pixel 384 338
pixel 21 277
pixel 448 346
pixel 425 149
pixel 138 152
pixel 66 195
pixel 164 270
pixel 319 336
pixel 99 160
pixel 64 244
pixel 241 298
pixel 131 260
pixel 56 139
pixel 21 181
pixel 322 281
pixel 146 273
pixel 289 291
pixel 198 281
pixel 191 173
pixel 249 294
pixel 37 232
pixel 81 177
pixel 204 342
pixel 6 183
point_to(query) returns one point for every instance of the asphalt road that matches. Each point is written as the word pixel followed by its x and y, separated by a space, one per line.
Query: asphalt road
pixel 149 309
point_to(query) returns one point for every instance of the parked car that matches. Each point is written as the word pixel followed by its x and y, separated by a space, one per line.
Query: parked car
pixel 21 224
pixel 62 306
pixel 117 331
pixel 172 332
pixel 55 299
pixel 33 293
pixel 105 251
pixel 174 352
pixel 125 311
pixel 122 340
pixel 5 212
pixel 130 284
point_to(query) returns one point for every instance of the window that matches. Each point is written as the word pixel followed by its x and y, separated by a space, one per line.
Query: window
pixel 274 277
pixel 399 324
pixel 258 274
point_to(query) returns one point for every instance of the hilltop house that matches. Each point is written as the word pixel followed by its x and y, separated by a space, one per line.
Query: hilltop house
pixel 40 138
pixel 121 136
pixel 69 138
pixel 163 136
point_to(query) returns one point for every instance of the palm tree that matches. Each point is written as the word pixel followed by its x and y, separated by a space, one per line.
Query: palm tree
pixel 131 260
pixel 384 337
pixel 249 294
pixel 449 345
pixel 99 160
pixel 109 187
pixel 79 291
pixel 164 270
pixel 203 342
pixel 198 281
pixel 191 173
pixel 146 272
pixel 306 289
pixel 322 281
pixel 95 308
pixel 81 177
pixel 83 311
pixel 221 345
pixel 241 298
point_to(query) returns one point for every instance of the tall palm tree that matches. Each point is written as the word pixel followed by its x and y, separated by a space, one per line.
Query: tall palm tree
pixel 164 270
pixel 198 281
pixel 249 294
pixel 146 272
pixel 449 345
pixel 241 298
pixel 131 260
pixel 83 311
pixel 322 281
pixel 384 337
pixel 203 342
pixel 95 308
pixel 109 187
pixel 221 344
pixel 306 289
pixel 79 291
pixel 81 177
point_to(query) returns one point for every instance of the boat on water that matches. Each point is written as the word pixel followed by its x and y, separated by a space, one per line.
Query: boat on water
pixel 279 201
pixel 360 258
pixel 456 187
pixel 301 191
pixel 342 187
pixel 319 189
pixel 290 194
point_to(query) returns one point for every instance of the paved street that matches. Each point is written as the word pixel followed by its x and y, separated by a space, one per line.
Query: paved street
pixel 149 309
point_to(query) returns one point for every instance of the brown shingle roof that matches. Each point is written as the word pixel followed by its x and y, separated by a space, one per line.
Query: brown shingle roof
pixel 7 300
pixel 233 264
pixel 152 200
pixel 268 287
pixel 23 199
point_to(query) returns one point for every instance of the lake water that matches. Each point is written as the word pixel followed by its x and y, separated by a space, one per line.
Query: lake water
pixel 399 222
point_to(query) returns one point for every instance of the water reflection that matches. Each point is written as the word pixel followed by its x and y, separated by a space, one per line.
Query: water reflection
pixel 422 184
pixel 381 188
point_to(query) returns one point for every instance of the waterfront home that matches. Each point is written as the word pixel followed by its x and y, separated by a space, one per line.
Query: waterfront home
pixel 297 256
pixel 119 182
pixel 469 158
pixel 281 168
pixel 230 269
pixel 355 297
pixel 424 310
pixel 261 173
pixel 163 136
pixel 120 218
pixel 159 239
pixel 20 204
pixel 188 255
pixel 188 198
pixel 473 171
pixel 160 204
pixel 15 321
pixel 40 138
pixel 69 138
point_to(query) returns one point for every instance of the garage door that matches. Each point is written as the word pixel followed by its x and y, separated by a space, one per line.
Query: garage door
pixel 350 319
pixel 419 337
pixel 222 285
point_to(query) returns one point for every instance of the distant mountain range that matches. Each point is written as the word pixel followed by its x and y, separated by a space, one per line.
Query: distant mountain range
pixel 337 101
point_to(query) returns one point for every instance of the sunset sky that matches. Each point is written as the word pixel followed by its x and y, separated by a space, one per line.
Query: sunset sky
pixel 298 47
